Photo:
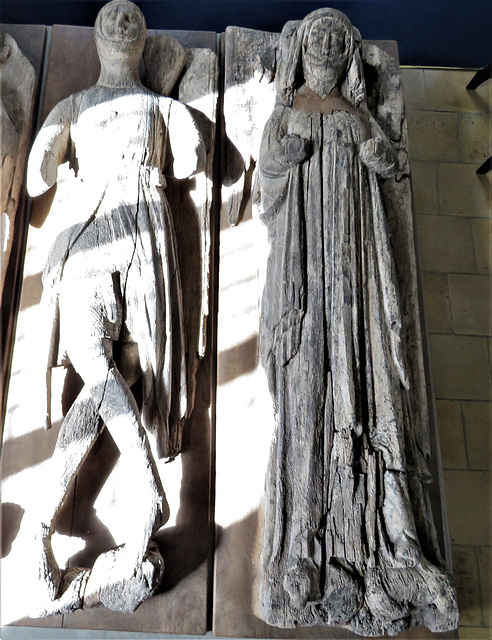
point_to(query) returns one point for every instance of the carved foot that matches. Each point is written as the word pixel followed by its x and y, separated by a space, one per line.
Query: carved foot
pixel 302 583
pixel 427 590
pixel 407 552
pixel 113 585
pixel 69 597
pixel 386 611
pixel 343 596
pixel 47 573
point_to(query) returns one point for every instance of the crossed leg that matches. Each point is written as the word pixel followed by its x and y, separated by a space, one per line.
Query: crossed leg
pixel 78 432
pixel 118 409
pixel 105 395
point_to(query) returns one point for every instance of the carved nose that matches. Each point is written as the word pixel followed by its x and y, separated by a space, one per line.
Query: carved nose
pixel 122 22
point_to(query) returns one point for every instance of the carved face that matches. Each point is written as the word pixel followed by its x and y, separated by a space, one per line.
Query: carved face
pixel 5 48
pixel 325 54
pixel 121 25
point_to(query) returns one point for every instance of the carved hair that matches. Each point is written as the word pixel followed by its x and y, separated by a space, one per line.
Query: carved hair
pixel 289 74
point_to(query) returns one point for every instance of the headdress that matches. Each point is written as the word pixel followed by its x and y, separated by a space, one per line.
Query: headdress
pixel 292 39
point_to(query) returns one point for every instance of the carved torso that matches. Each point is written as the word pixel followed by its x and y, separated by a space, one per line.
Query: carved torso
pixel 122 242
pixel 117 131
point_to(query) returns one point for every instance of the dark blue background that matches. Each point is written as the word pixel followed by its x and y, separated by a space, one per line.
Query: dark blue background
pixel 451 33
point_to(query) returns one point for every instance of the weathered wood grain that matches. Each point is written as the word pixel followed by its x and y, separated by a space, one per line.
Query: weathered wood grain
pixel 295 486
pixel 17 96
pixel 187 481
pixel 19 89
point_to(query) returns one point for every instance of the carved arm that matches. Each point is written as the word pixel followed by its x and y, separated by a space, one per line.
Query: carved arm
pixel 377 153
pixel 279 153
pixel 378 156
pixel 280 150
pixel 50 149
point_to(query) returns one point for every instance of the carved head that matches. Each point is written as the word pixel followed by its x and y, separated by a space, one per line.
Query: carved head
pixel 120 31
pixel 322 51
pixel 326 47
pixel 5 47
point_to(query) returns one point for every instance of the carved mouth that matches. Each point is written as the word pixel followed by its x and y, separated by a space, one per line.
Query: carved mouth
pixel 121 36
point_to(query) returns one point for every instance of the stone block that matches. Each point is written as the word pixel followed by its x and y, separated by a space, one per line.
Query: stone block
pixel 468 505
pixel 475 633
pixel 469 296
pixel 461 192
pixel 433 135
pixel 445 244
pixel 467 583
pixel 475 137
pixel 460 367
pixel 482 244
pixel 413 89
pixel 451 434
pixel 436 302
pixel 478 429
pixel 485 568
pixel 424 189
pixel 445 90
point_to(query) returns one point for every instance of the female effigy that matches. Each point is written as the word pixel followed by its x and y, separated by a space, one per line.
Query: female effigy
pixel 347 535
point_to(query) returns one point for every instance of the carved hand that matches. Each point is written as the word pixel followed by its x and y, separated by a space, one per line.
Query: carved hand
pixel 378 156
pixel 293 149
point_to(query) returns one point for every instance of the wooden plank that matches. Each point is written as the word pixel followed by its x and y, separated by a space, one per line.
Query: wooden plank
pixel 20 452
pixel 181 604
pixel 31 40
pixel 244 423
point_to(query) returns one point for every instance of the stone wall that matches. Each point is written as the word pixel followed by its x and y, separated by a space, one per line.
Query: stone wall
pixel 450 137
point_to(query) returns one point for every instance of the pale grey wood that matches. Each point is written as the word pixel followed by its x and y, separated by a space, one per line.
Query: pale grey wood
pixel 346 534
pixel 17 95
pixel 102 502
pixel 118 106
pixel 31 41
pixel 249 97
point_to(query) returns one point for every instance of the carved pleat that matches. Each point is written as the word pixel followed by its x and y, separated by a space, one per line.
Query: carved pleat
pixel 338 515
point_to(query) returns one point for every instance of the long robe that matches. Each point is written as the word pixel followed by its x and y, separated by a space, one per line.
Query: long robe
pixel 121 256
pixel 345 511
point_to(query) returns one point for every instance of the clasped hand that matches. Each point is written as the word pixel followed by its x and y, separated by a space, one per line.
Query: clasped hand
pixel 293 149
pixel 378 156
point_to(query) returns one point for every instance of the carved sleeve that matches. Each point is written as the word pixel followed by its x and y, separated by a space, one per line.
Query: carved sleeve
pixel 50 149
pixel 377 153
pixel 279 153
pixel 187 146
pixel 279 150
